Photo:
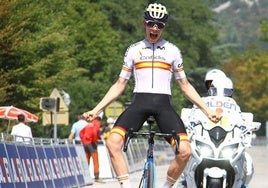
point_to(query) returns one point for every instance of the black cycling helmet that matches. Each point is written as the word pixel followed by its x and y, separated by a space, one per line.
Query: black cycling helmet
pixel 156 11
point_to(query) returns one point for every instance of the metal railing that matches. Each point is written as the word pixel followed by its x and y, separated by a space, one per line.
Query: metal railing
pixel 137 153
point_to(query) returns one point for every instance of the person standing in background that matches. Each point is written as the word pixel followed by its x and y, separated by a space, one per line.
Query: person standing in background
pixel 90 135
pixel 76 128
pixel 22 132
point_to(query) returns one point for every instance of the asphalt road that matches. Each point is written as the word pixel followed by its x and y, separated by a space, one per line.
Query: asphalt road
pixel 258 153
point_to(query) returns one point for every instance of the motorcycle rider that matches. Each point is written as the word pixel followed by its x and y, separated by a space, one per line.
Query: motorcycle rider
pixel 224 87
pixel 218 84
pixel 211 75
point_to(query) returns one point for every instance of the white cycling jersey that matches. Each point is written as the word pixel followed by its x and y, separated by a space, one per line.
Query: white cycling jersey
pixel 153 66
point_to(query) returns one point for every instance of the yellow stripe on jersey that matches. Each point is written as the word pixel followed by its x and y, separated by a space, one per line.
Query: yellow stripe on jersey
pixel 178 70
pixel 126 69
pixel 156 64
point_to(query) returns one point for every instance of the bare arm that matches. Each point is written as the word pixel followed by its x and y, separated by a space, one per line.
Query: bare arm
pixel 113 93
pixel 190 92
pixel 71 136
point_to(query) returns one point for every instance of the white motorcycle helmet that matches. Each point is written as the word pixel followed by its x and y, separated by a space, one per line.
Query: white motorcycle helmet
pixel 221 87
pixel 211 75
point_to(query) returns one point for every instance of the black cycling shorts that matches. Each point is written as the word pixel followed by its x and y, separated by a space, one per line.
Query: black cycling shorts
pixel 144 105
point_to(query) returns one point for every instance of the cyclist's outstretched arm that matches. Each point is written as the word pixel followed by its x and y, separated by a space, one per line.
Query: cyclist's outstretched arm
pixel 113 93
pixel 190 92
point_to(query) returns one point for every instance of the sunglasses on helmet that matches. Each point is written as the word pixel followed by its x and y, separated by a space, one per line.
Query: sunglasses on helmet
pixel 159 25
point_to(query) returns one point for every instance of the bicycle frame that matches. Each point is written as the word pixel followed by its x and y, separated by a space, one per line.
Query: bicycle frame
pixel 148 177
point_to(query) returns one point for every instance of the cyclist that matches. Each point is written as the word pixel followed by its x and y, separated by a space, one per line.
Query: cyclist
pixel 152 62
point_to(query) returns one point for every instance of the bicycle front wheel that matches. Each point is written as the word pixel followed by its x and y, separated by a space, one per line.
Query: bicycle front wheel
pixel 149 176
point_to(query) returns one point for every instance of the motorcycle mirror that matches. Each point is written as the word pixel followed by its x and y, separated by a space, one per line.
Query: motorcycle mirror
pixel 255 126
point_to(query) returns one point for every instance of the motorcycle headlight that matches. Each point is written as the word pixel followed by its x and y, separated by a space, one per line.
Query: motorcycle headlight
pixel 204 150
pixel 228 151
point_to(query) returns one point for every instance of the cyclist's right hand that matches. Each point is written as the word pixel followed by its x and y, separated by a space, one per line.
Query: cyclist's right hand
pixel 89 116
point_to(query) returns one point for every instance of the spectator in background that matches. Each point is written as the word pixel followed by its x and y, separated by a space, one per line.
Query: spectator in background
pixel 90 135
pixel 22 132
pixel 77 126
pixel 98 125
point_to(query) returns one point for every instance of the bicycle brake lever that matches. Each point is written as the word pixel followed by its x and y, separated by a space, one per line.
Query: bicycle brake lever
pixel 177 141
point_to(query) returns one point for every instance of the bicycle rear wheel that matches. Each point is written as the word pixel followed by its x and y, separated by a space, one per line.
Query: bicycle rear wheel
pixel 149 176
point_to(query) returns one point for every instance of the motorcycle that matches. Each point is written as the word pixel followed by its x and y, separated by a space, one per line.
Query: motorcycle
pixel 218 156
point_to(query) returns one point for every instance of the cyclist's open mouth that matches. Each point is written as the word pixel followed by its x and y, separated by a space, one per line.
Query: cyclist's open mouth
pixel 153 36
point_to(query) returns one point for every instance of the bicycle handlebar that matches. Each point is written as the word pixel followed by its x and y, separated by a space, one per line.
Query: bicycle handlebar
pixel 151 134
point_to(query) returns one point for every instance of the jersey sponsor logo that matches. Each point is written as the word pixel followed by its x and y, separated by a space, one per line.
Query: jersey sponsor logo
pixel 180 65
pixel 161 47
pixel 151 57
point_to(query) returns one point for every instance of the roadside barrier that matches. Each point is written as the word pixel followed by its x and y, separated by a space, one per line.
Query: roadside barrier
pixel 135 156
pixel 50 163
pixel 137 153
pixel 41 163
pixel 105 166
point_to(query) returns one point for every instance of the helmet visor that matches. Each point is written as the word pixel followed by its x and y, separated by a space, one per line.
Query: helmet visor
pixel 212 91
pixel 227 92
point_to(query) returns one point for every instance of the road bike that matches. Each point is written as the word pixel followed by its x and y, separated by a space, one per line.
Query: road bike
pixel 148 177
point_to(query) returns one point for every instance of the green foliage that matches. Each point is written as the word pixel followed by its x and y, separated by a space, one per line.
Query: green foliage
pixel 49 44
pixel 248 72
pixel 78 46
pixel 238 25
pixel 264 30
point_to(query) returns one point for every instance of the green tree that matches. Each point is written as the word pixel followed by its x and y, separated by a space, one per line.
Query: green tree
pixel 248 72
pixel 238 25
pixel 264 30
pixel 78 46
pixel 50 44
